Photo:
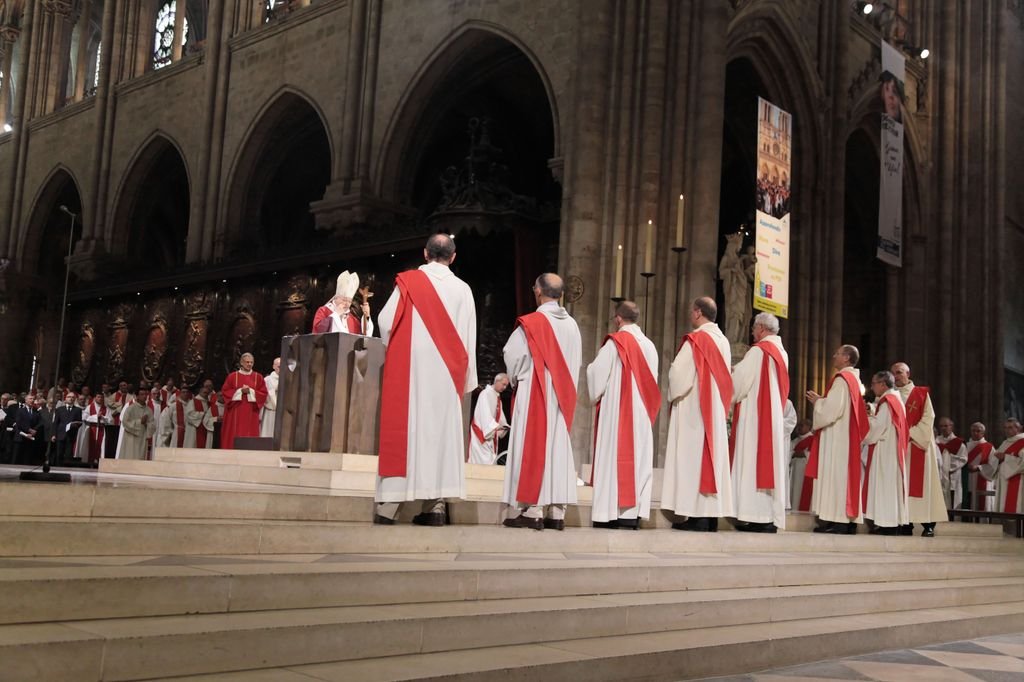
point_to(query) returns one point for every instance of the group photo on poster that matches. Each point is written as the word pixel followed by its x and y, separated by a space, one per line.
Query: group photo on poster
pixel 773 203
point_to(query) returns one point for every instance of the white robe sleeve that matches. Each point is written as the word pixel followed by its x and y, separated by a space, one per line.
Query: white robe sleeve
pixel 682 374
pixel 745 374
pixel 386 316
pixel 831 408
pixel 880 422
pixel 131 421
pixel 958 460
pixel 789 419
pixel 990 469
pixel 271 382
pixel 599 372
pixel 517 356
pixel 483 416
pixel 1012 466
pixel 468 332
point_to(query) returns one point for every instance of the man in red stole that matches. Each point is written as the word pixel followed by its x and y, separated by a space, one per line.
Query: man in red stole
pixel 927 503
pixel 760 390
pixel 244 394
pixel 96 417
pixel 885 477
pixel 981 489
pixel 697 483
pixel 336 315
pixel 429 328
pixel 543 357
pixel 1005 466
pixel 800 487
pixel 953 458
pixel 622 382
pixel 489 425
pixel 840 425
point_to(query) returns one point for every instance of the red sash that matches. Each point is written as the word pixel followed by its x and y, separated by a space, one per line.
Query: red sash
pixel 180 426
pixel 546 354
pixel 710 367
pixel 119 399
pixel 858 429
pixel 985 451
pixel 952 446
pixel 96 433
pixel 198 406
pixel 479 433
pixel 765 432
pixel 416 293
pixel 634 367
pixel 1013 483
pixel 916 402
pixel 804 445
pixel 899 423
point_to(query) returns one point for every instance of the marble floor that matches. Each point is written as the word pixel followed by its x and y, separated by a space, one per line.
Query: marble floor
pixel 999 658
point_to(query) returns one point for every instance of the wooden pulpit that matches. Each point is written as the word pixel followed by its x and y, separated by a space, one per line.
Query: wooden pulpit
pixel 328 399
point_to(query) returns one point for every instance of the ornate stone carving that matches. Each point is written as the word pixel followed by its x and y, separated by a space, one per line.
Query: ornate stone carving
pixel 197 317
pixel 61 7
pixel 242 336
pixel 736 271
pixel 292 309
pixel 118 326
pixel 8 36
pixel 156 347
pixel 573 289
pixel 86 349
pixel 866 77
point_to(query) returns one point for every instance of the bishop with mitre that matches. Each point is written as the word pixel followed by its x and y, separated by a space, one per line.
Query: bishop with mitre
pixel 336 315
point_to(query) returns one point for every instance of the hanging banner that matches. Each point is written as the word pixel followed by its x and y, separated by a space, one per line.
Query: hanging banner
pixel 771 268
pixel 890 190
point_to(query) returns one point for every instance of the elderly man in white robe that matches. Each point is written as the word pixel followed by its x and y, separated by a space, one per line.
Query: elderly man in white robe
pixel 489 425
pixel 697 483
pixel 622 382
pixel 543 358
pixel 138 424
pixel 885 487
pixel 1005 467
pixel 429 328
pixel 953 457
pixel 760 390
pixel 927 502
pixel 268 416
pixel 982 491
pixel 840 423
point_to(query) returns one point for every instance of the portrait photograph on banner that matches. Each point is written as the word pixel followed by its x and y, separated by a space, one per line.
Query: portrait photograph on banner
pixel 891 90
pixel 774 204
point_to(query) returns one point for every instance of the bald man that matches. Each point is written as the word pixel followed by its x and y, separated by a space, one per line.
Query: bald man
pixel 489 425
pixel 953 454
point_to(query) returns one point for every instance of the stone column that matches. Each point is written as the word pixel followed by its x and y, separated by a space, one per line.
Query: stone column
pixel 82 61
pixel 180 7
pixel 213 229
pixel 346 164
pixel 19 141
pixel 57 49
pixel 8 38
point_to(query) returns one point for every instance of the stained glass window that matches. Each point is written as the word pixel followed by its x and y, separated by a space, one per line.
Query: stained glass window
pixel 164 39
pixel 96 69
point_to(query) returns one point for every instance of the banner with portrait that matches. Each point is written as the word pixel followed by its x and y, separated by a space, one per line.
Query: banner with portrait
pixel 774 180
pixel 890 199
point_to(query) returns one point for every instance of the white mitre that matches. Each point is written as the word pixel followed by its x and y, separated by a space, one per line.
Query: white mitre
pixel 348 285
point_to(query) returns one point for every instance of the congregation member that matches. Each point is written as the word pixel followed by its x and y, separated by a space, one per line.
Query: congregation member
pixel 981 490
pixel 543 356
pixel 46 446
pixel 489 425
pixel 26 429
pixel 623 385
pixel 67 421
pixel 268 416
pixel 840 423
pixel 953 457
pixel 885 477
pixel 245 393
pixel 1005 466
pixel 759 440
pixel 336 315
pixel 800 487
pixel 428 327
pixel 697 483
pixel 927 503
pixel 157 408
pixel 137 427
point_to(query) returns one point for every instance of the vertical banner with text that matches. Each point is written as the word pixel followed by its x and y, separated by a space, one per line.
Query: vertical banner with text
pixel 774 176
pixel 890 190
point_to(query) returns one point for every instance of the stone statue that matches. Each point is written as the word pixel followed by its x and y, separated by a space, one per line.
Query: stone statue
pixel 736 271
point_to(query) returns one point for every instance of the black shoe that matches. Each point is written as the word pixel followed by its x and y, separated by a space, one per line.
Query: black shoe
pixel 628 524
pixel 379 520
pixel 605 524
pixel 823 527
pixel 696 525
pixel 906 529
pixel 554 524
pixel 524 522
pixel 929 530
pixel 885 530
pixel 757 528
pixel 429 519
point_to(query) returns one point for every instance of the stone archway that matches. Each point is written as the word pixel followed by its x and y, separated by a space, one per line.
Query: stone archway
pixel 283 166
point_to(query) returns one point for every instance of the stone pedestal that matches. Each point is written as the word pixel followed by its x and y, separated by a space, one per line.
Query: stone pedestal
pixel 329 395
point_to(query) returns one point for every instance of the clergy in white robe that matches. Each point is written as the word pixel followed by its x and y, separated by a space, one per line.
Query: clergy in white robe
pixel 697 483
pixel 93 434
pixel 429 328
pixel 799 486
pixel 840 422
pixel 165 428
pixel 622 383
pixel 1005 467
pixel 953 457
pixel 927 503
pixel 182 435
pixel 268 417
pixel 885 487
pixel 489 425
pixel 137 428
pixel 196 421
pixel 982 491
pixel 760 444
pixel 543 358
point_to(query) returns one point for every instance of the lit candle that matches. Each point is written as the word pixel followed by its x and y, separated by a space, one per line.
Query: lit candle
pixel 679 221
pixel 618 272
pixel 649 251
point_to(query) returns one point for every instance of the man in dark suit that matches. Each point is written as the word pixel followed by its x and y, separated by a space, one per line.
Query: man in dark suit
pixel 46 443
pixel 26 425
pixel 67 421
pixel 10 409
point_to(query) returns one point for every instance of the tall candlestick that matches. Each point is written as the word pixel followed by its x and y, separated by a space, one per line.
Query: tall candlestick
pixel 618 272
pixel 679 221
pixel 649 251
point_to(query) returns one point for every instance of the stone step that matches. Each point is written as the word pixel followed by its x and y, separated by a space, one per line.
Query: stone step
pixel 668 656
pixel 46 536
pixel 78 589
pixel 142 502
pixel 147 647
